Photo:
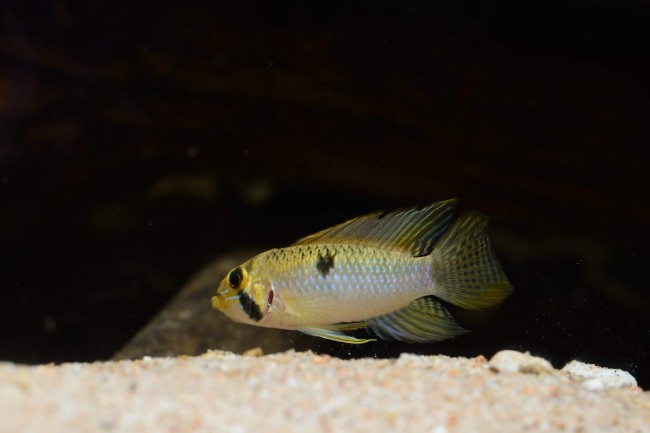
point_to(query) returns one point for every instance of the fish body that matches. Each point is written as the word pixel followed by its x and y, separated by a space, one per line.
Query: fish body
pixel 382 271
pixel 341 282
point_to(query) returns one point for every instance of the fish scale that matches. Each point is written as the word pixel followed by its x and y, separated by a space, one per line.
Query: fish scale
pixel 362 280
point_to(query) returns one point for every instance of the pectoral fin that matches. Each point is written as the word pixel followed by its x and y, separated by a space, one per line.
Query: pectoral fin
pixel 335 335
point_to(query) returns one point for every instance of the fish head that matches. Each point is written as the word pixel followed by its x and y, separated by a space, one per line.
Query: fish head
pixel 243 295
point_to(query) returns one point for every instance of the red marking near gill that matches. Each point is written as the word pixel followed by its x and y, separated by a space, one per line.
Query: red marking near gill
pixel 269 299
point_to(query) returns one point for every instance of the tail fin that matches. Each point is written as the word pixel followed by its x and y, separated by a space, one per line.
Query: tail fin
pixel 465 269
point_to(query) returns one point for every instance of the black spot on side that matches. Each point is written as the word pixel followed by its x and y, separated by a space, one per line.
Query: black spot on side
pixel 249 306
pixel 324 263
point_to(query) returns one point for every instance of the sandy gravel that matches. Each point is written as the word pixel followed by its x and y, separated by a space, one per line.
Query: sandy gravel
pixel 304 392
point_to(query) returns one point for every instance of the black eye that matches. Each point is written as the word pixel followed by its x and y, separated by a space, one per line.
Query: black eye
pixel 235 278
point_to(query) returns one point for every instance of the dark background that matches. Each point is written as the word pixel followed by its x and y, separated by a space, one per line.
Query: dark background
pixel 139 141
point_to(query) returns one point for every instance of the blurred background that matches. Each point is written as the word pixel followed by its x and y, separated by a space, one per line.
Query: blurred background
pixel 141 141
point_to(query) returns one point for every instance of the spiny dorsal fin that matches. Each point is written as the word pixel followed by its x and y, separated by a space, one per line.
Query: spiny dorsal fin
pixel 424 320
pixel 413 230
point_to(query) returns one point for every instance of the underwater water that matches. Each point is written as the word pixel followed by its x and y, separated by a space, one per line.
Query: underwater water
pixel 139 143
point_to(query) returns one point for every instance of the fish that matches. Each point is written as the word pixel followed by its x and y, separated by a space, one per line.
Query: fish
pixel 391 273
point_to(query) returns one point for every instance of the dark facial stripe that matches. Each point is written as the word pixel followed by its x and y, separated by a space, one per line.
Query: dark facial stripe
pixel 324 263
pixel 249 306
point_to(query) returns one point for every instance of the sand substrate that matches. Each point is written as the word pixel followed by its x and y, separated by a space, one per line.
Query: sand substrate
pixel 304 392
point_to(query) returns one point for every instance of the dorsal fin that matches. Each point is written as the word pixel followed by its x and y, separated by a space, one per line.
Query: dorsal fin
pixel 413 230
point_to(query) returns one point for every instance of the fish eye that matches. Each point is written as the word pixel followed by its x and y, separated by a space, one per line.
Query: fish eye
pixel 236 278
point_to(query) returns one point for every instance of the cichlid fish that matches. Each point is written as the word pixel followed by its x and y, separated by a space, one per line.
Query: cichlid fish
pixel 385 271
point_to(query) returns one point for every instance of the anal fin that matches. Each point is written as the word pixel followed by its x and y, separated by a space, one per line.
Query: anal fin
pixel 330 333
pixel 424 320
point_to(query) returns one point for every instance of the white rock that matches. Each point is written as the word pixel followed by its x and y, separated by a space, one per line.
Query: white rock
pixel 610 377
pixel 511 361
pixel 593 384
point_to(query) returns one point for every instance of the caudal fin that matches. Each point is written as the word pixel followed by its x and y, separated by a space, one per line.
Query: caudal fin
pixel 465 269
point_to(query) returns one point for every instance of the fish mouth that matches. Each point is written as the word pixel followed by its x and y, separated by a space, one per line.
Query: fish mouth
pixel 218 301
